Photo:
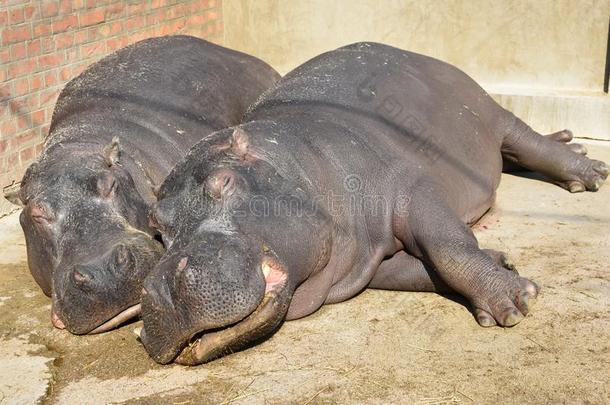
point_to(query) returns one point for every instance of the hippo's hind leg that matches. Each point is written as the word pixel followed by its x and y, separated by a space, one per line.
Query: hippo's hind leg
pixel 564 137
pixel 403 272
pixel 566 165
pixel 498 296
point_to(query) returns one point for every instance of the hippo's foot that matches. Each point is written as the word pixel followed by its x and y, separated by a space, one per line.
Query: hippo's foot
pixel 566 137
pixel 566 164
pixel 563 137
pixel 504 299
pixel 587 174
pixel 584 175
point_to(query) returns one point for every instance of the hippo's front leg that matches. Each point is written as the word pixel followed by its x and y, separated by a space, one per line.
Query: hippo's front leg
pixel 498 295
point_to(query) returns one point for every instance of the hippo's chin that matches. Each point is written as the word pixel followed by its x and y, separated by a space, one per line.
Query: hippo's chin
pixel 122 317
pixel 209 345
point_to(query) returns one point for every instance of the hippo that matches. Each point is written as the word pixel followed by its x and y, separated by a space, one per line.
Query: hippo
pixel 362 168
pixel 117 130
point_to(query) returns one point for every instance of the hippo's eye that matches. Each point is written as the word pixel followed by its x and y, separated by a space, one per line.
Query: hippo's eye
pixel 123 256
pixel 220 184
pixel 41 213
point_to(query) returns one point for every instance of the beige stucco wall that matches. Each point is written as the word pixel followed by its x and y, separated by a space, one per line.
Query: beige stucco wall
pixel 550 48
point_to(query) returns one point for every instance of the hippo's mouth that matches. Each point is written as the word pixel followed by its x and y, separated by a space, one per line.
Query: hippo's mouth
pixel 209 345
pixel 122 317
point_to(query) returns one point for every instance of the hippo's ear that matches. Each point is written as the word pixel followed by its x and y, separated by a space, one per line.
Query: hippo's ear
pixel 240 143
pixel 14 195
pixel 112 152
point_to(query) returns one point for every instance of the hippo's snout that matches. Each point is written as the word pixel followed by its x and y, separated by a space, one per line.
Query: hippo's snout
pixel 194 290
pixel 96 295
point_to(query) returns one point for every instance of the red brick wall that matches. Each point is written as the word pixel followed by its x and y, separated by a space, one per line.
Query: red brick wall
pixel 45 43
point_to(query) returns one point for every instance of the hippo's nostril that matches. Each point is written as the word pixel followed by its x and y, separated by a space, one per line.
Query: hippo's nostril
pixel 56 321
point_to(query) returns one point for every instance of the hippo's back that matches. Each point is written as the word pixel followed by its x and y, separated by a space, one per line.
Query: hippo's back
pixel 416 108
pixel 159 96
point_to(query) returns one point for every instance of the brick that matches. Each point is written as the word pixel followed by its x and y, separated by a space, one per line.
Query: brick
pixel 94 49
pixel 18 51
pixel 65 6
pixel 115 10
pixel 22 86
pixel 30 12
pixel 72 55
pixel 40 146
pixel 136 8
pixel 38 117
pixel 16 34
pixel 50 60
pixel 108 30
pixel 3 146
pixel 80 37
pixel 5 92
pixel 92 33
pixel 65 74
pixel 3 77
pixel 34 48
pixel 47 96
pixel 36 82
pixel 8 126
pixel 64 40
pixel 67 22
pixel 5 55
pixel 20 68
pixel 47 45
pixel 197 19
pixel 3 17
pixel 134 23
pixel 16 16
pixel 91 18
pixel 23 139
pixel 158 3
pixel 31 101
pixel 23 123
pixel 42 29
pixel 50 78
pixel 49 9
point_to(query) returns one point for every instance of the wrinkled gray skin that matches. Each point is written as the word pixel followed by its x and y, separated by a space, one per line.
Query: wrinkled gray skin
pixel 361 168
pixel 117 130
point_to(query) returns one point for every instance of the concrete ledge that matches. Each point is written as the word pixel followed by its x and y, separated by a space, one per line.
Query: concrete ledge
pixel 586 114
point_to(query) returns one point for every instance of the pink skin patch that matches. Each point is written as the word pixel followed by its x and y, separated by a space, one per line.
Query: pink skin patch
pixel 274 274
pixel 56 321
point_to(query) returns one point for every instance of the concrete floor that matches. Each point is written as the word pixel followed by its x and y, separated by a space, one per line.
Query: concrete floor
pixel 380 347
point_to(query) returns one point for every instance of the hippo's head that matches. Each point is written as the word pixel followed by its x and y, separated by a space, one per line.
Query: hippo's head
pixel 228 275
pixel 88 241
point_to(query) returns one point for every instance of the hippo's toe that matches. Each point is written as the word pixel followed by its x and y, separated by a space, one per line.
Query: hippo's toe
pixel 506 300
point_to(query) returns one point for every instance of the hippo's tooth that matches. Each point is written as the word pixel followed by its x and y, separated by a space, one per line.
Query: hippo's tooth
pixel 266 269
pixel 138 331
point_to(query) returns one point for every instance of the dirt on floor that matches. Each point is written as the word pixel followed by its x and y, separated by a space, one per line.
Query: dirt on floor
pixel 380 347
